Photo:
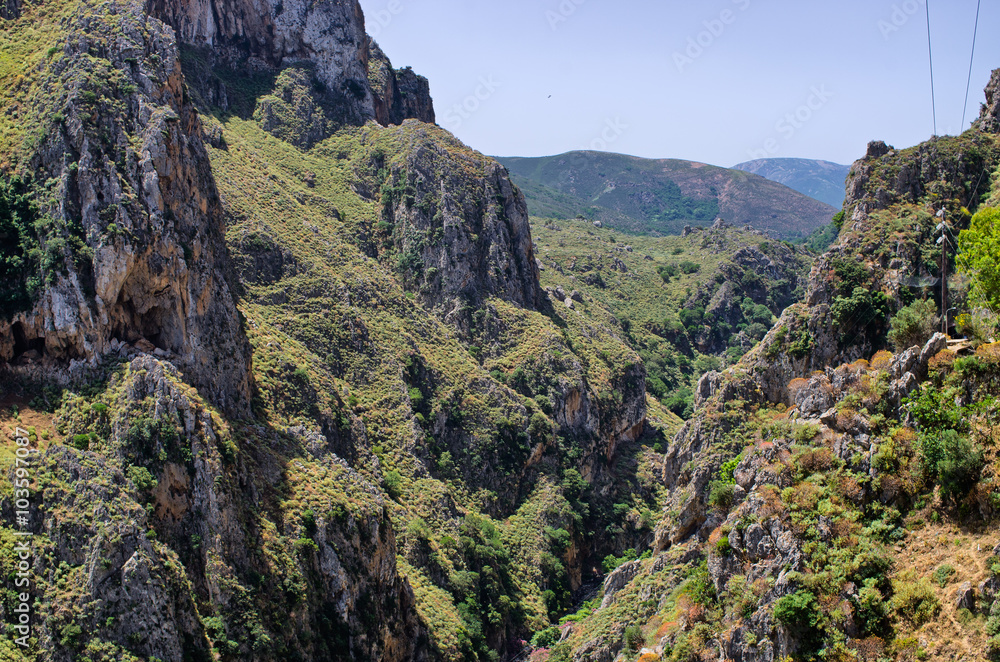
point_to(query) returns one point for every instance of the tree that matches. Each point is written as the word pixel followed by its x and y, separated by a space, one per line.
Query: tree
pixel 979 256
pixel 913 325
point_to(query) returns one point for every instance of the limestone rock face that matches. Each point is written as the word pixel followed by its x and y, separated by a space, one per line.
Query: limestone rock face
pixel 460 227
pixel 10 9
pixel 139 185
pixel 989 118
pixel 326 37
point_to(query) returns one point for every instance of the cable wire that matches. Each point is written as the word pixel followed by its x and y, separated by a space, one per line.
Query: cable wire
pixel 930 57
pixel 968 86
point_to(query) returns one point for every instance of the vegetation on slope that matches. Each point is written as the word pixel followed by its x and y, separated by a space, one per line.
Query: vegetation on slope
pixel 643 196
pixel 687 304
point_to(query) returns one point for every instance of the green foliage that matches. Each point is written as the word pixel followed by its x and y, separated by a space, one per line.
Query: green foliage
pixel 980 256
pixel 393 484
pixel 872 611
pixel 721 495
pixel 798 611
pixel 914 599
pixel 18 213
pixel 913 325
pixel 860 314
pixel 546 638
pixel 142 478
pixel 634 638
pixel 821 239
pixel 943 574
pixel 952 460
pixel 612 562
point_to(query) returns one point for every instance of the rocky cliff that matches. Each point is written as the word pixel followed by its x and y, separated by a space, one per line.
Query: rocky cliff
pixel 128 246
pixel 816 424
pixel 301 358
pixel 349 72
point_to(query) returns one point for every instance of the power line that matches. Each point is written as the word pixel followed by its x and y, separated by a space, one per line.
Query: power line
pixel 930 56
pixel 968 86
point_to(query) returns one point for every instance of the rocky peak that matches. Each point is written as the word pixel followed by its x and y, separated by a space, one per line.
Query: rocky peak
pixel 989 118
pixel 328 37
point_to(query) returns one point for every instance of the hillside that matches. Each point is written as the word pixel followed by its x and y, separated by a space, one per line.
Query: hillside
pixel 822 180
pixel 687 304
pixel 644 196
pixel 830 498
pixel 288 372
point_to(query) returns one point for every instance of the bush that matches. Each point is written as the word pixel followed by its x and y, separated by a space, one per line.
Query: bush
pixel 914 600
pixel 914 325
pixel 393 484
pixel 797 611
pixel 547 638
pixel 952 461
pixel 634 638
pixel 980 246
pixel 721 495
pixel 861 313
pixel 943 574
pixel 141 478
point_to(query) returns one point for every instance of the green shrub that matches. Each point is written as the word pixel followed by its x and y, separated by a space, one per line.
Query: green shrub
pixel 721 495
pixel 914 599
pixel 872 610
pixel 861 313
pixel 546 638
pixel 913 325
pixel 980 246
pixel 797 611
pixel 634 638
pixel 943 574
pixel 141 478
pixel 393 484
pixel 952 461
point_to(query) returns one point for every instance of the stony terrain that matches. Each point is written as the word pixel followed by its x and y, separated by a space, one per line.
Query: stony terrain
pixel 306 382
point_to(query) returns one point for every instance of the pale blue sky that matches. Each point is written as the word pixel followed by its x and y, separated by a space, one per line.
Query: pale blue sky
pixel 622 78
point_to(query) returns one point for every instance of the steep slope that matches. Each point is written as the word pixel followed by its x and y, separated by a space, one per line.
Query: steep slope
pixel 687 304
pixel 331 414
pixel 661 196
pixel 801 488
pixel 821 180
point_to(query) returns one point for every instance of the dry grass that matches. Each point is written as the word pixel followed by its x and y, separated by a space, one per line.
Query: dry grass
pixel 948 637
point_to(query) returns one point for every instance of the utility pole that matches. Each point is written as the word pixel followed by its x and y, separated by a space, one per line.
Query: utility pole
pixel 944 229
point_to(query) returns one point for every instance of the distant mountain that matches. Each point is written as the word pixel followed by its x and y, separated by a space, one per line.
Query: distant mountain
pixel 647 196
pixel 821 180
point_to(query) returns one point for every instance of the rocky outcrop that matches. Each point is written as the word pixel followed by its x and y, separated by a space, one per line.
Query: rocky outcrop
pixel 10 9
pixel 459 228
pixel 149 263
pixel 179 515
pixel 989 118
pixel 399 93
pixel 327 39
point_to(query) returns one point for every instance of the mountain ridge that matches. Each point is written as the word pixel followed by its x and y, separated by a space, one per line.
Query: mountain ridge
pixel 822 180
pixel 661 195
